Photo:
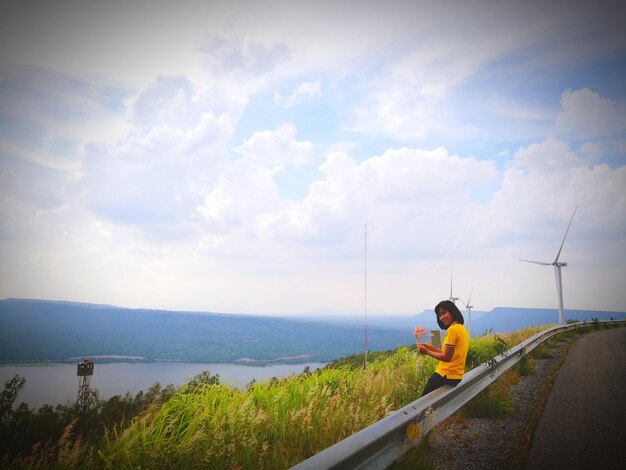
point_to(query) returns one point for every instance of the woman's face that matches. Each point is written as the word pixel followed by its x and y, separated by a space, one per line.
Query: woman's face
pixel 445 317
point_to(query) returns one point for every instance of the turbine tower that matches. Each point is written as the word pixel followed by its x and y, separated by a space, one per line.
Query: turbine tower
pixel 452 298
pixel 469 308
pixel 557 270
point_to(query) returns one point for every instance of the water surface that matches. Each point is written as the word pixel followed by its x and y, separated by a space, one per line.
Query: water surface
pixel 58 384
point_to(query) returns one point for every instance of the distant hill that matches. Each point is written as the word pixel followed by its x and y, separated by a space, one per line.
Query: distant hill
pixel 38 330
pixel 509 319
pixel 500 319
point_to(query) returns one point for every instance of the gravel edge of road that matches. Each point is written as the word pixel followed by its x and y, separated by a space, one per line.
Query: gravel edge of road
pixel 480 443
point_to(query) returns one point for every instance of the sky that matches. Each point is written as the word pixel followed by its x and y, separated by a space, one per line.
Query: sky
pixel 284 157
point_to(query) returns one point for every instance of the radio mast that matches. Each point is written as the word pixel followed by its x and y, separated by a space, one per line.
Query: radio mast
pixel 365 363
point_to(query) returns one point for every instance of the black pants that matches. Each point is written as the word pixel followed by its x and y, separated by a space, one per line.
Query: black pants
pixel 437 381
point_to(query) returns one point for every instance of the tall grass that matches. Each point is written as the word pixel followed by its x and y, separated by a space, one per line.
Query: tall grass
pixel 484 348
pixel 269 425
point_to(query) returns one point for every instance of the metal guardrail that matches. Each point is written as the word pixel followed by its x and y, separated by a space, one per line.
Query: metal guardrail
pixel 379 445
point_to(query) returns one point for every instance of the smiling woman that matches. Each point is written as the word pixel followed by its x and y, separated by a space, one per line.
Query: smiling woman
pixel 455 347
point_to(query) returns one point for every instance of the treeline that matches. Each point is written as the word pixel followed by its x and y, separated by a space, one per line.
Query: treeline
pixel 28 431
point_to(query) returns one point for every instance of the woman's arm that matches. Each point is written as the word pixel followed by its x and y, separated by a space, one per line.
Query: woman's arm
pixel 430 347
pixel 444 356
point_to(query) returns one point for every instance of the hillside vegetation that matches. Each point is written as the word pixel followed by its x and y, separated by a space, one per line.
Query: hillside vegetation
pixel 57 331
pixel 33 331
pixel 269 425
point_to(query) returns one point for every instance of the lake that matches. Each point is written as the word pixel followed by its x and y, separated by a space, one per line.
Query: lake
pixel 58 384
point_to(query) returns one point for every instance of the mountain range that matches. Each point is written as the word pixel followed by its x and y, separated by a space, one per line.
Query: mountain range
pixel 499 319
pixel 58 331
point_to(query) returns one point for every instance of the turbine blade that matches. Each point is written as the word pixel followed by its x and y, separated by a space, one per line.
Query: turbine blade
pixel 537 262
pixel 470 297
pixel 556 260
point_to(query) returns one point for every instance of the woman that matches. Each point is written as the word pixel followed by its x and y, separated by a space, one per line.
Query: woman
pixel 455 346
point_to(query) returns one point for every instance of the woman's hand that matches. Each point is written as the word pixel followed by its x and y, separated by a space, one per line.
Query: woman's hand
pixel 429 350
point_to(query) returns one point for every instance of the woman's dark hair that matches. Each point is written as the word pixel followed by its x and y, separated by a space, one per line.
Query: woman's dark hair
pixel 448 306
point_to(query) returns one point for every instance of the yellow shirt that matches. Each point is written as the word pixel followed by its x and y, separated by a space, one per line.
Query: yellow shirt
pixel 456 336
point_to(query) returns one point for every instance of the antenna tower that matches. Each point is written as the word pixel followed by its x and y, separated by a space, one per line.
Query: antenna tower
pixel 84 373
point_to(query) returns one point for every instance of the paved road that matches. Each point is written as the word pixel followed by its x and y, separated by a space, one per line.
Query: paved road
pixel 583 425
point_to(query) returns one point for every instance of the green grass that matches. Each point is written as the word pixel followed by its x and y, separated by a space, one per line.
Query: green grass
pixel 269 425
pixel 493 402
pixel 526 366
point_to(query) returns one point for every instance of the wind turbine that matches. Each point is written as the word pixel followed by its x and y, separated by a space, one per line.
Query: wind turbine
pixel 469 308
pixel 452 298
pixel 557 270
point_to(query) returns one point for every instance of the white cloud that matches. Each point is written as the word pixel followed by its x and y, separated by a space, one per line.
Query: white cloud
pixel 168 101
pixel 397 193
pixel 538 194
pixel 155 177
pixel 414 97
pixel 423 90
pixel 304 91
pixel 505 107
pixel 551 156
pixel 245 189
pixel 47 116
pixel 240 56
pixel 586 115
pixel 592 152
pixel 276 148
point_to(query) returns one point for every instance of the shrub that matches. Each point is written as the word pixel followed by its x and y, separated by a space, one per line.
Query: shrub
pixel 525 366
pixel 494 402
